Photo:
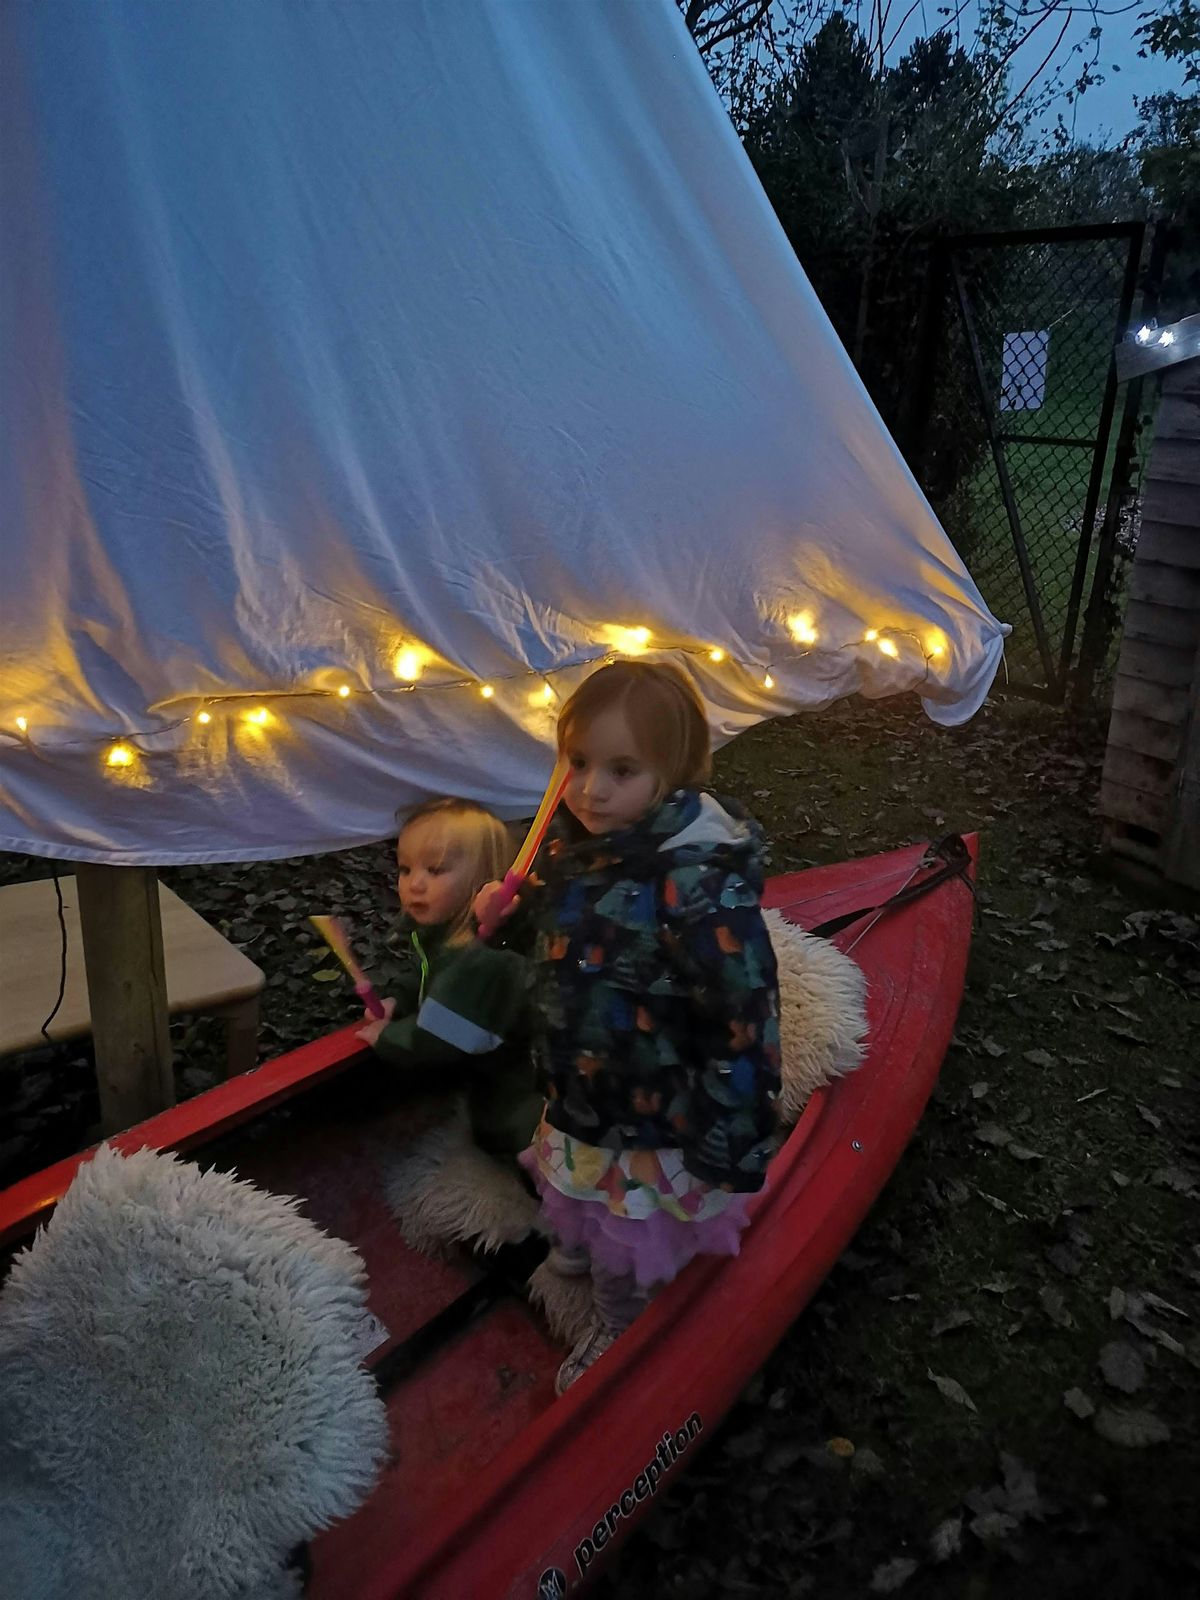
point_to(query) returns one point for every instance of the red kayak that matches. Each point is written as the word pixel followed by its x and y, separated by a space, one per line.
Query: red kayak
pixel 494 1487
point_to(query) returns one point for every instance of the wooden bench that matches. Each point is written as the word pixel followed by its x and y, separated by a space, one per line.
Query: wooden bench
pixel 204 973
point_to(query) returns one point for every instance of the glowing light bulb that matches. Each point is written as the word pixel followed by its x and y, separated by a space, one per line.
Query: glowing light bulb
pixel 344 691
pixel 768 681
pixel 801 628
pixel 1144 335
pixel 936 644
pixel 23 724
pixel 1167 336
pixel 204 716
pixel 487 691
pixel 547 693
pixel 887 647
pixel 408 665
pixel 119 756
pixel 716 654
pixel 259 715
pixel 871 635
pixel 628 641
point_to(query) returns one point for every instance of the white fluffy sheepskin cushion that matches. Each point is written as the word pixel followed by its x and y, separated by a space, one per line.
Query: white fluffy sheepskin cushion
pixel 822 1012
pixel 181 1403
pixel 444 1190
pixel 566 1303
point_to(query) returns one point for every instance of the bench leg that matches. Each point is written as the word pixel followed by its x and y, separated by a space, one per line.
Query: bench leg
pixel 121 926
pixel 241 1037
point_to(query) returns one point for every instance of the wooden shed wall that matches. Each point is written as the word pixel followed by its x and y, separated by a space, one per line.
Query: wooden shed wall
pixel 1152 764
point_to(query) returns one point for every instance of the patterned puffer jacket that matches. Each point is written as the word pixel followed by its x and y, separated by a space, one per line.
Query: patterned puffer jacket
pixel 655 987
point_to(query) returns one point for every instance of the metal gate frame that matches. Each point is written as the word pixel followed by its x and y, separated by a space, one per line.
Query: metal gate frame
pixel 946 281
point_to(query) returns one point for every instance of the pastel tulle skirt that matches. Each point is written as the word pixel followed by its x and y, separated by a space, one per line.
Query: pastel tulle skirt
pixel 636 1212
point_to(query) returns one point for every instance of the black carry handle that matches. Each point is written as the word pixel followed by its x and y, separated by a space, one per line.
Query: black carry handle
pixel 955 861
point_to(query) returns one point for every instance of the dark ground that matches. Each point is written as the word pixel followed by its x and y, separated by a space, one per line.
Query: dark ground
pixel 1007 1363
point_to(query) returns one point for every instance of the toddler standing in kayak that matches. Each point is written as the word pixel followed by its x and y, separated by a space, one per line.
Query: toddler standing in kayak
pixel 461 1018
pixel 656 1001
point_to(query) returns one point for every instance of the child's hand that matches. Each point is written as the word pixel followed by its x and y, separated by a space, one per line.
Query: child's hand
pixel 483 901
pixel 376 1025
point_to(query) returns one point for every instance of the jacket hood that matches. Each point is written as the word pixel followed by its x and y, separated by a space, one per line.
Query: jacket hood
pixel 690 828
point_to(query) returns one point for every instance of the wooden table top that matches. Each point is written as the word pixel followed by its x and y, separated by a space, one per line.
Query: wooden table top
pixel 204 971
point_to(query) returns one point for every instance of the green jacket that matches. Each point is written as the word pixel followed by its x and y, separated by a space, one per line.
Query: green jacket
pixel 462 1021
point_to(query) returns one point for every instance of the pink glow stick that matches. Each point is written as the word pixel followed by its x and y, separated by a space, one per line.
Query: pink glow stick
pixel 335 936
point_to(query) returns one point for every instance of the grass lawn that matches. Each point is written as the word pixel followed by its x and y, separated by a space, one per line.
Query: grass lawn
pixel 1038 1240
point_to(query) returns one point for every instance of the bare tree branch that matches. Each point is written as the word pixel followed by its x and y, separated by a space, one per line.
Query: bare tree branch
pixel 1034 76
pixel 734 21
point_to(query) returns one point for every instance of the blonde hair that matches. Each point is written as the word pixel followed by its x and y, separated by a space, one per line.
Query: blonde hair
pixel 464 831
pixel 664 713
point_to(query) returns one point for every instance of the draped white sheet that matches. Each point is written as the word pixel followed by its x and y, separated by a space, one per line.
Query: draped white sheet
pixel 334 330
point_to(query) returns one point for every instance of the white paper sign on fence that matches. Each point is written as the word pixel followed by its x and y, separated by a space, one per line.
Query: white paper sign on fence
pixel 1023 379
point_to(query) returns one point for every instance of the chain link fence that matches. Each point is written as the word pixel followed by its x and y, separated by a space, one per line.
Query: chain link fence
pixel 1014 438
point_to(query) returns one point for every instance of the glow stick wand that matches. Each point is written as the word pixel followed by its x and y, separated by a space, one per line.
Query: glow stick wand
pixel 334 935
pixel 519 871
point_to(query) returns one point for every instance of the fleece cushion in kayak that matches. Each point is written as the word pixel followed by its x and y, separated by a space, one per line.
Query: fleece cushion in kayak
pixel 181 1400
pixel 822 1013
pixel 444 1190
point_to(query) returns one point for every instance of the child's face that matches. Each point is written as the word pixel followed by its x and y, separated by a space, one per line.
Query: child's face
pixel 434 883
pixel 610 785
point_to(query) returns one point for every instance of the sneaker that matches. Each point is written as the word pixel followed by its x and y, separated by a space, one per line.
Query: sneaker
pixel 569 1262
pixel 588 1350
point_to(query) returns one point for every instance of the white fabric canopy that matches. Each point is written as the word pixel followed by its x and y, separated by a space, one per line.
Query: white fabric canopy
pixel 431 337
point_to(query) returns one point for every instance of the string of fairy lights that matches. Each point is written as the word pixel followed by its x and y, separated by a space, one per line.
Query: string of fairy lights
pixel 416 668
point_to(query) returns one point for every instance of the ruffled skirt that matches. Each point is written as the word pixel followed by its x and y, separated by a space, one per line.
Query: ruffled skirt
pixel 638 1213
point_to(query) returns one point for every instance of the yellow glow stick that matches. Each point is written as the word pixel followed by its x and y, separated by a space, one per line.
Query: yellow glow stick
pixel 519 871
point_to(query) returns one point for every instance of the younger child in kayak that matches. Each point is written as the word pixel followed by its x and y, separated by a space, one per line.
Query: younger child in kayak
pixel 657 1006
pixel 461 1018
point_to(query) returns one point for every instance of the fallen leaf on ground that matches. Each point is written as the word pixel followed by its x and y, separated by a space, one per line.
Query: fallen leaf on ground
pixel 1020 1487
pixel 1126 1035
pixel 1022 1152
pixel 1163 1338
pixel 866 1464
pixel 992 1133
pixel 946 1539
pixel 1055 1306
pixel 1133 1429
pixel 1122 1366
pixel 953 1319
pixel 892 1575
pixel 1076 1401
pixel 1063 1259
pixel 993 1527
pixel 782 1456
pixel 1173 1178
pixel 1148 1116
pixel 1159 1304
pixel 953 1390
pixel 1040 1058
